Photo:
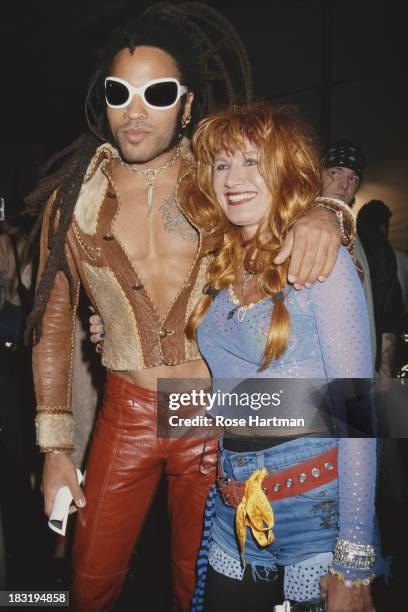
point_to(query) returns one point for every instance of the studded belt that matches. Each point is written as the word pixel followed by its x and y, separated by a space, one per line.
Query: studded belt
pixel 295 480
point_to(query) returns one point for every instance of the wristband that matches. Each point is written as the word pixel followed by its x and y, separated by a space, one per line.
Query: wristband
pixel 359 582
pixel 347 223
pixel 356 556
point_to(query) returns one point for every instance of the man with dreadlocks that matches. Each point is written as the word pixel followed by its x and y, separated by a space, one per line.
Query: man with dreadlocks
pixel 115 224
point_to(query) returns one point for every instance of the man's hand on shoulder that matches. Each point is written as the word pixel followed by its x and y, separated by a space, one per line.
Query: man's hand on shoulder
pixel 312 245
pixel 59 471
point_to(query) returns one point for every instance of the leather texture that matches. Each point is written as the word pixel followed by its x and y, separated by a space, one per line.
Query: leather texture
pixel 97 260
pixel 124 468
pixel 293 481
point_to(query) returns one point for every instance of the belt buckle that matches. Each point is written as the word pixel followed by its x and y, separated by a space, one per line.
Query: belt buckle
pixel 223 481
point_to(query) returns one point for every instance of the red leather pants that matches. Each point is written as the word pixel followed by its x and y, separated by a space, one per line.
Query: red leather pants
pixel 125 465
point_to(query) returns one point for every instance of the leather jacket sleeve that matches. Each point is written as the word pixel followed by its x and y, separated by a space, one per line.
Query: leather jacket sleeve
pixel 53 355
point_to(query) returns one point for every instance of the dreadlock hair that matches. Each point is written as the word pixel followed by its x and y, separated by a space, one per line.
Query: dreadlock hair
pixel 197 37
pixel 289 163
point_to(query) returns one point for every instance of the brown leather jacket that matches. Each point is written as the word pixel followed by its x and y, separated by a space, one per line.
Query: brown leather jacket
pixel 136 338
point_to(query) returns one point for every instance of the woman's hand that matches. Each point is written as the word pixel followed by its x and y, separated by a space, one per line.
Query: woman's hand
pixel 97 330
pixel 340 598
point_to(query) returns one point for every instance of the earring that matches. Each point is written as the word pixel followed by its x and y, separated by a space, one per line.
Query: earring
pixel 185 121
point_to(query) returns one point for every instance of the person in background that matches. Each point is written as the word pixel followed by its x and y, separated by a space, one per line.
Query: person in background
pixel 402 272
pixel 16 407
pixel 373 221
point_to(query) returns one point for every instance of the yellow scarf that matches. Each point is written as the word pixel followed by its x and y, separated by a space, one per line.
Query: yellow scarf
pixel 255 512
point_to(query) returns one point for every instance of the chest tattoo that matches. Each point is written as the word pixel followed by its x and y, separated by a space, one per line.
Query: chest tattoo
pixel 175 222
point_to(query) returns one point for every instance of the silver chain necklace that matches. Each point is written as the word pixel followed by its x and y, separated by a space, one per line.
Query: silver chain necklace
pixel 150 176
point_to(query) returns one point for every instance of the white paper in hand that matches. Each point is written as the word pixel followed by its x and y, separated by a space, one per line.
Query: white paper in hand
pixel 285 607
pixel 59 513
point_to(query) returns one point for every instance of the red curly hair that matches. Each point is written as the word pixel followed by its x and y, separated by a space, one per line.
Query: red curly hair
pixel 289 163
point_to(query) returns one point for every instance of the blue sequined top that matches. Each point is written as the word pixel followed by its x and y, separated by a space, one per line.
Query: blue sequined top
pixel 329 332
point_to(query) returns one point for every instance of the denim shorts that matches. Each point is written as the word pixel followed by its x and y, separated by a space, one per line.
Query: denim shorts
pixel 305 524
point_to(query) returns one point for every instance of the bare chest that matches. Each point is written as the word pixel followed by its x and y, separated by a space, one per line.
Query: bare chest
pixel 161 245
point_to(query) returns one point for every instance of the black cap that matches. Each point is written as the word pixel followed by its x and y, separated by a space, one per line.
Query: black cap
pixel 344 154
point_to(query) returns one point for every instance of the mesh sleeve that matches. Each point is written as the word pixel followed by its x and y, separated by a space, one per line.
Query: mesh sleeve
pixel 342 321
pixel 344 336
pixel 357 475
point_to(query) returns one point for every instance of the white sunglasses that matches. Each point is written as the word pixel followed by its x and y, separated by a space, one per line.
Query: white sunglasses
pixel 159 94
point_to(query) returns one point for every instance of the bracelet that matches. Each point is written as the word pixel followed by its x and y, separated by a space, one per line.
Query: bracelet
pixel 339 215
pixel 356 556
pixel 359 582
pixel 340 208
pixel 56 451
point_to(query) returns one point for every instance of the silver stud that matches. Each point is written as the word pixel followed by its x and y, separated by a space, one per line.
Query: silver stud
pixel 276 487
pixel 315 473
pixel 328 465
pixel 302 477
pixel 289 482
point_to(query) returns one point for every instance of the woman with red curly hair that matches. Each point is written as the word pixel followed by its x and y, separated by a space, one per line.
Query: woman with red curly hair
pixel 302 500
